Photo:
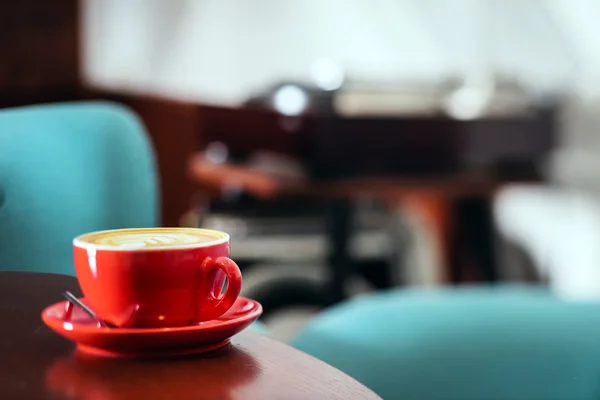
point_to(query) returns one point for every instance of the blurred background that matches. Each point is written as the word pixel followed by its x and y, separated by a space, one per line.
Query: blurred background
pixel 348 146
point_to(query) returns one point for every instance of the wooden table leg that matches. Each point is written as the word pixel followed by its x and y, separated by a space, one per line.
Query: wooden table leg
pixel 464 232
pixel 339 214
pixel 435 211
pixel 474 239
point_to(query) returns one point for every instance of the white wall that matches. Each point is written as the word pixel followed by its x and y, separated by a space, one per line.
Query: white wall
pixel 220 50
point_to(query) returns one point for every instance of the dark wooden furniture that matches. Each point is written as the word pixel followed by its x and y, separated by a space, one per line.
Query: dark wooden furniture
pixel 36 363
pixel 445 168
pixel 39 51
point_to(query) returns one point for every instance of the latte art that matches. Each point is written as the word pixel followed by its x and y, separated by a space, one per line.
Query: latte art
pixel 137 241
pixel 131 239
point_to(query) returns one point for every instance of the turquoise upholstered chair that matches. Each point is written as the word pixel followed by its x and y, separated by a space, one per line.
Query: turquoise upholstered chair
pixel 66 169
pixel 474 343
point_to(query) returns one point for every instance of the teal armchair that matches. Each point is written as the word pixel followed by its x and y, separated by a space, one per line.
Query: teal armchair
pixel 66 169
pixel 511 343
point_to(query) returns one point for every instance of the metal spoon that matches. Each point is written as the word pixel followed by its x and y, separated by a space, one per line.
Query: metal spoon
pixel 74 300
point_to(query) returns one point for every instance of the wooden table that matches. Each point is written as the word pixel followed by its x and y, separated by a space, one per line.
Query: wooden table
pixel 456 208
pixel 36 363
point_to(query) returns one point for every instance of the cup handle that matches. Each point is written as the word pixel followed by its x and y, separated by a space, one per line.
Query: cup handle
pixel 213 304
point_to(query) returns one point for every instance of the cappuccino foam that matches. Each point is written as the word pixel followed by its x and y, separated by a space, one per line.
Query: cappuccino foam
pixel 131 239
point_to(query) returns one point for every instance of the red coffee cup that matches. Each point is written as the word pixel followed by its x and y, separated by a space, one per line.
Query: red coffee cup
pixel 156 277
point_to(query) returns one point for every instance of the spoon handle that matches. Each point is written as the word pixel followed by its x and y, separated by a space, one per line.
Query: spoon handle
pixel 73 299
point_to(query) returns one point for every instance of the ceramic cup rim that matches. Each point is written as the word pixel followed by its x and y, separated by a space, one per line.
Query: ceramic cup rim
pixel 221 238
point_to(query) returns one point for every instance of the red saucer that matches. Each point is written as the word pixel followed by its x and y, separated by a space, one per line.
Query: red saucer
pixel 155 342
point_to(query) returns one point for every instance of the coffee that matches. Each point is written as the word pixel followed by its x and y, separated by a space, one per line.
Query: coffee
pixel 150 238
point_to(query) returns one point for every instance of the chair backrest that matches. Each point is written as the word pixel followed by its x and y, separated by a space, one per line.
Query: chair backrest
pixel 67 169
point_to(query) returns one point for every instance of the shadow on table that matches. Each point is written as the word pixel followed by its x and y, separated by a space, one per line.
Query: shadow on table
pixel 215 375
